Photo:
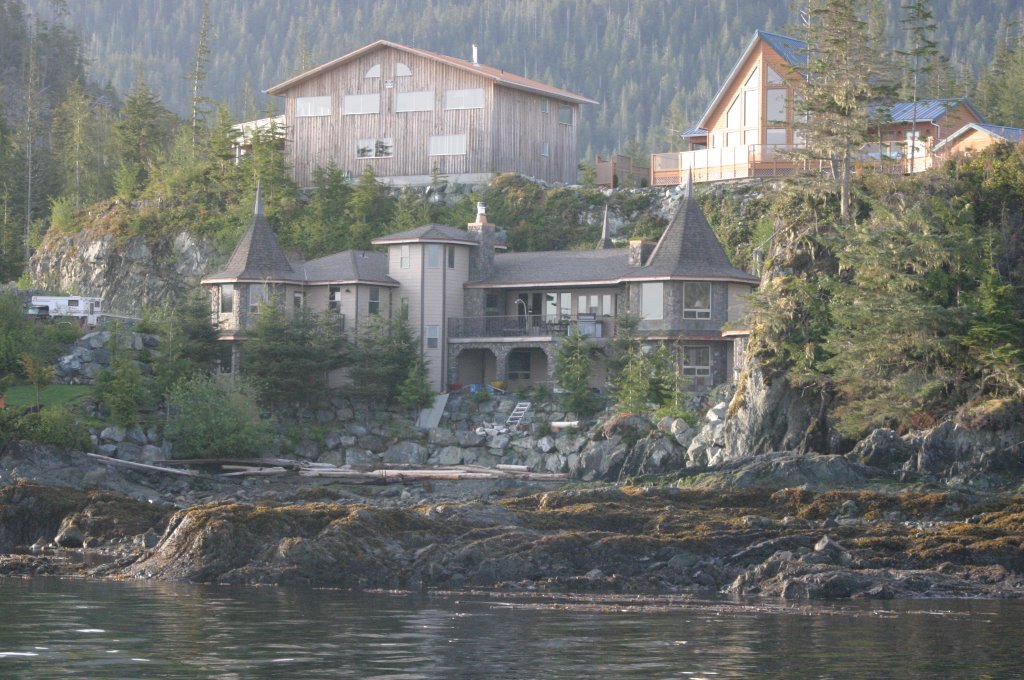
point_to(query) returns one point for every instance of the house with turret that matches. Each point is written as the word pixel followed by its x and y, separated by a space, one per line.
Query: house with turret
pixel 484 315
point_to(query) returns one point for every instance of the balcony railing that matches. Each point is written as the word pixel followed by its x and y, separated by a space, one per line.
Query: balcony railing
pixel 525 325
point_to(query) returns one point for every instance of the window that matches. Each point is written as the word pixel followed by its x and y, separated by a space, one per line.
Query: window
pixel 258 294
pixel 422 100
pixel 298 300
pixel 491 302
pixel 433 334
pixel 403 257
pixel 545 149
pixel 224 357
pixel 732 138
pixel 227 298
pixel 451 257
pixel 402 70
pixel 519 364
pixel 373 71
pixel 775 136
pixel 776 106
pixel 374 305
pixel 334 299
pixel 750 107
pixel 751 80
pixel 608 305
pixel 74 303
pixel 733 117
pixel 356 104
pixel 565 115
pixel 697 360
pixel 652 301
pixel 433 256
pixel 464 99
pixel 447 145
pixel 697 300
pixel 773 77
pixel 375 148
pixel 545 106
pixel 306 107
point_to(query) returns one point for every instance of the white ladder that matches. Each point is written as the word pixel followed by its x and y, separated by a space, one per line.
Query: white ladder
pixel 518 413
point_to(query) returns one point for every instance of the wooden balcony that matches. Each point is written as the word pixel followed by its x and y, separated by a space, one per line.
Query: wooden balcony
pixel 769 160
pixel 526 326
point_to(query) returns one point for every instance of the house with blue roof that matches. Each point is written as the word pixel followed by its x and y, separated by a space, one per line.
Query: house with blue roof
pixel 748 128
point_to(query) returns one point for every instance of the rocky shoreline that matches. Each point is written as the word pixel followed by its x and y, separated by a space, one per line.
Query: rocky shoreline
pixel 711 530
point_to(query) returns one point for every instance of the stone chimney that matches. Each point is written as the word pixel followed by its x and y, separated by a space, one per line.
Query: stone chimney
pixel 639 251
pixel 482 264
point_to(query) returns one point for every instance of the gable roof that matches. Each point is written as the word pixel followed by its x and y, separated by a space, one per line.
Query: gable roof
pixel 349 266
pixel 688 249
pixel 499 76
pixel 929 110
pixel 1006 134
pixel 258 256
pixel 429 233
pixel 792 50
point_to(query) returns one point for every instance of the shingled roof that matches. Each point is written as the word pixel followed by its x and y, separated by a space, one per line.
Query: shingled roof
pixel 258 256
pixel 349 266
pixel 429 233
pixel 689 249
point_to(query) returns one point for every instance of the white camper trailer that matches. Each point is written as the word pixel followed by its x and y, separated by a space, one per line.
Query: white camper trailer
pixel 86 310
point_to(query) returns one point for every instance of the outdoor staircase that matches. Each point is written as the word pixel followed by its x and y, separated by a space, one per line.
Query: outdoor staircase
pixel 518 413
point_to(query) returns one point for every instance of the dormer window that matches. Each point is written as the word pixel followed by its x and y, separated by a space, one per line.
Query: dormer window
pixel 373 71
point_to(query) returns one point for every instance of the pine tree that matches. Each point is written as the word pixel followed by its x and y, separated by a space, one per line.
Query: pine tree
pixel 145 129
pixel 197 77
pixel 921 51
pixel 573 370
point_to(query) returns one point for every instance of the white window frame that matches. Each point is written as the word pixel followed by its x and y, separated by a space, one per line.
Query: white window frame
pixel 433 336
pixel 415 100
pixel 334 299
pixel 450 255
pixel 696 312
pixel 433 256
pixel 696 369
pixel 227 298
pixel 403 256
pixel 545 149
pixel 545 106
pixel 565 115
pixel 361 104
pixel 373 303
pixel 312 107
pixel 472 98
pixel 447 145
pixel 380 147
pixel 652 301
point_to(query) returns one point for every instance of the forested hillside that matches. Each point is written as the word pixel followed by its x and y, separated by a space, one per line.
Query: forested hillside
pixel 653 64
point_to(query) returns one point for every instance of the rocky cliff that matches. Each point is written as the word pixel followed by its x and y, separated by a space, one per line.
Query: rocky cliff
pixel 128 272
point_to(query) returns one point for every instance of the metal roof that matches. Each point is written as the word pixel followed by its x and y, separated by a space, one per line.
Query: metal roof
pixel 497 75
pixel 1007 134
pixel 928 110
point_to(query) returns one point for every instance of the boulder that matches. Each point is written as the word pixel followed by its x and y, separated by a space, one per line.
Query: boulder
pixel 882 448
pixel 113 434
pixel 406 453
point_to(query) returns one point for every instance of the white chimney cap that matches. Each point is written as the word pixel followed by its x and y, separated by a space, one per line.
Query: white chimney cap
pixel 481 209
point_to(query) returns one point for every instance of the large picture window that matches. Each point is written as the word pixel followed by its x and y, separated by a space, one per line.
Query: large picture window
pixel 652 301
pixel 697 360
pixel 697 300
pixel 464 99
pixel 776 108
pixel 356 104
pixel 447 145
pixel 414 101
pixel 375 148
pixel 306 107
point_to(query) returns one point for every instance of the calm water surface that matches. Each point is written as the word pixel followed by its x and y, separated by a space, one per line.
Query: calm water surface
pixel 83 629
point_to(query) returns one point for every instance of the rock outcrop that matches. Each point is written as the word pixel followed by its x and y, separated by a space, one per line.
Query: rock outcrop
pixel 129 273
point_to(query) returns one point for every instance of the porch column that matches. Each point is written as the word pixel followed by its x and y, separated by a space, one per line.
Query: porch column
pixel 501 362
pixel 550 351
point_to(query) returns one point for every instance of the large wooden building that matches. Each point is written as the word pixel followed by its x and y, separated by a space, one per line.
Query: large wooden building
pixel 409 114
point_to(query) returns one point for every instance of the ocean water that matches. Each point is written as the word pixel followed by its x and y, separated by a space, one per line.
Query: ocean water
pixel 53 628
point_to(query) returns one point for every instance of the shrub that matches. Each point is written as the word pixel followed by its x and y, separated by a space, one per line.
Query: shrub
pixel 55 426
pixel 211 417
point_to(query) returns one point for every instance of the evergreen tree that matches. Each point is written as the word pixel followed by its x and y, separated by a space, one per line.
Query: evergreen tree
pixel 197 77
pixel 415 392
pixel 919 23
pixel 844 76
pixel 573 370
pixel 144 130
pixel 382 352
pixel 371 206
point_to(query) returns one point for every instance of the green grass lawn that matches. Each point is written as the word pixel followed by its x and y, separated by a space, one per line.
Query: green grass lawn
pixel 54 395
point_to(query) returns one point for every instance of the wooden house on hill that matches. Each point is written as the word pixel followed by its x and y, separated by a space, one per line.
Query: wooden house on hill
pixel 408 114
pixel 913 129
pixel 976 137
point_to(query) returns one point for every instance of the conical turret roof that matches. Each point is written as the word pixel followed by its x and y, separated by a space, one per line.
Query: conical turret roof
pixel 258 256
pixel 689 249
